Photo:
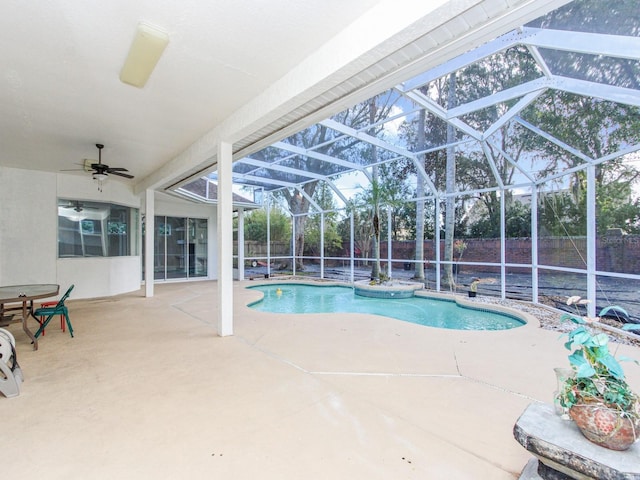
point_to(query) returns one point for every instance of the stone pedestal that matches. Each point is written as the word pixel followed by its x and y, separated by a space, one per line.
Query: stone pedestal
pixel 563 453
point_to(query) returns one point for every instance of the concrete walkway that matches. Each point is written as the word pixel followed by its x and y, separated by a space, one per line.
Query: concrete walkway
pixel 147 390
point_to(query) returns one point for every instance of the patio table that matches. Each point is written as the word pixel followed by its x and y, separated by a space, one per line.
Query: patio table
pixel 25 294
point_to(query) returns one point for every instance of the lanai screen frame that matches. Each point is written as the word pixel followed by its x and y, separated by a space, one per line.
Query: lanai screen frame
pixel 272 171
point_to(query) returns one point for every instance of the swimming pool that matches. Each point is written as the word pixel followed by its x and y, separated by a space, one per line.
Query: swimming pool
pixel 302 298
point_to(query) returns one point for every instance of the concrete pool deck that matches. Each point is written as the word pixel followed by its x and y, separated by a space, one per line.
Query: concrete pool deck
pixel 147 390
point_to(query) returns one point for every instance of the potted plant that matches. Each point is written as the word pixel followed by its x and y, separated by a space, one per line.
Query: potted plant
pixel 597 397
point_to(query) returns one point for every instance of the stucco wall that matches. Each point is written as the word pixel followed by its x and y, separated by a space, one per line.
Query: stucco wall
pixel 28 234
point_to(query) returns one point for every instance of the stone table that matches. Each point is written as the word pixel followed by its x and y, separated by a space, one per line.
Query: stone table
pixel 562 452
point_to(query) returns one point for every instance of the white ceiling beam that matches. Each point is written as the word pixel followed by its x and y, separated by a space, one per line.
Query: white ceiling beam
pixel 542 63
pixel 513 111
pixel 365 137
pixel 441 113
pixel 311 201
pixel 260 181
pixel 509 159
pixel 498 97
pixel 492 164
pixel 336 190
pixel 553 140
pixel 305 152
pixel 281 168
pixel 625 96
pixel 491 48
pixel 583 42
pixel 619 153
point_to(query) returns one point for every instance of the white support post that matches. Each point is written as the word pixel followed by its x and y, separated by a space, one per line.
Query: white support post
pixel 503 248
pixel 436 241
pixel 322 244
pixel 534 244
pixel 225 240
pixel 269 236
pixel 240 243
pixel 352 245
pixel 389 245
pixel 293 243
pixel 149 242
pixel 591 240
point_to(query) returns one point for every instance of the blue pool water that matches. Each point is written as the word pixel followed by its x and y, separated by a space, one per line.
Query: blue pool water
pixel 291 298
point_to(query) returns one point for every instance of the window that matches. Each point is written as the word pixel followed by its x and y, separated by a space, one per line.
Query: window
pixel 94 229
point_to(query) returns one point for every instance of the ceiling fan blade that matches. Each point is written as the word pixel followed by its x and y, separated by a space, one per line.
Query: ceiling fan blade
pixel 125 175
pixel 116 169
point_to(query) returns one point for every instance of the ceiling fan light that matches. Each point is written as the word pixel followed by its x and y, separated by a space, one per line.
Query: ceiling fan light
pixel 101 177
pixel 146 49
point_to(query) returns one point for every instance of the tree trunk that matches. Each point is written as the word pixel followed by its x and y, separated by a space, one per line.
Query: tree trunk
pixel 450 201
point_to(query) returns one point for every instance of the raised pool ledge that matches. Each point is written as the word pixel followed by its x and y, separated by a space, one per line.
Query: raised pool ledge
pixel 393 290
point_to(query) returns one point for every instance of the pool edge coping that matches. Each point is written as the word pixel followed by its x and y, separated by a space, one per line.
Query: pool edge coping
pixel 530 321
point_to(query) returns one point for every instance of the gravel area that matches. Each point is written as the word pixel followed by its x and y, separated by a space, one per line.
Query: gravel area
pixel 550 320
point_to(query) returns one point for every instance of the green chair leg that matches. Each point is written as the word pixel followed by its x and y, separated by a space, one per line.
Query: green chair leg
pixel 66 316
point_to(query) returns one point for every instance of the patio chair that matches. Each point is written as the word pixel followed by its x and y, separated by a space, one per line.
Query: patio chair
pixel 49 312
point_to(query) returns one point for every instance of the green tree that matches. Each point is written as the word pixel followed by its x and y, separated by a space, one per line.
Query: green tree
pixel 255 226
pixel 517 222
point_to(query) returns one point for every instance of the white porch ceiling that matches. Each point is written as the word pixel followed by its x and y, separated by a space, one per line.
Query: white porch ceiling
pixel 60 93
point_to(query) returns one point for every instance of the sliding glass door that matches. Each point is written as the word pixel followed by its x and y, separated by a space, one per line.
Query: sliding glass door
pixel 180 248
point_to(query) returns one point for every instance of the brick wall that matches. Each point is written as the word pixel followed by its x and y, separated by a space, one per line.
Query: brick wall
pixel 614 252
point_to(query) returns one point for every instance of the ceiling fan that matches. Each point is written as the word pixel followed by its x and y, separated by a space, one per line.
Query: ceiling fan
pixel 76 205
pixel 102 171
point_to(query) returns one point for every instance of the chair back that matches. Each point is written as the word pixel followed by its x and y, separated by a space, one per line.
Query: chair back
pixel 64 297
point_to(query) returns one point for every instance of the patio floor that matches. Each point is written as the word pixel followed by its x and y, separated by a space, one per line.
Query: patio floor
pixel 147 390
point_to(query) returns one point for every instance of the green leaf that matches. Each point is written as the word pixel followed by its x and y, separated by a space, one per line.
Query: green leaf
pixel 585 371
pixel 573 318
pixel 606 310
pixel 583 368
pixel 600 340
pixel 613 366
pixel 631 326
pixel 581 337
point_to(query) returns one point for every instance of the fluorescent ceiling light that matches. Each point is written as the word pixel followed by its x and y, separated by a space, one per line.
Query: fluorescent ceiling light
pixel 145 51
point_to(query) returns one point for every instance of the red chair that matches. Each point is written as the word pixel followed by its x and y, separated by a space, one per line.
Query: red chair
pixel 42 317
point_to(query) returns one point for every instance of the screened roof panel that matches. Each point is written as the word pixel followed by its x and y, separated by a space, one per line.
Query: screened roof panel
pixel 489 76
pixel 517 117
pixel 242 167
pixel 619 72
pixel 594 16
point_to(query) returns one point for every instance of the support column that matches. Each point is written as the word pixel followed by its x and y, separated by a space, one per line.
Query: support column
pixel 389 243
pixel 225 240
pixel 149 242
pixel 322 244
pixel 352 248
pixel 591 240
pixel 240 243
pixel 436 241
pixel 534 244
pixel 503 247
